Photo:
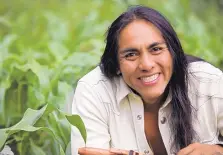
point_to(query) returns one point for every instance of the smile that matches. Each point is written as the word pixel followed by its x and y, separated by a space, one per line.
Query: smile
pixel 150 79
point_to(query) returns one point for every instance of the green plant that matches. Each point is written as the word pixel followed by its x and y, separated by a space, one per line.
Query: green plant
pixel 48 122
pixel 47 45
pixel 45 48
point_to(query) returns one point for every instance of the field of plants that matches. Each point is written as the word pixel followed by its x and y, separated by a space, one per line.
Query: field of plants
pixel 47 45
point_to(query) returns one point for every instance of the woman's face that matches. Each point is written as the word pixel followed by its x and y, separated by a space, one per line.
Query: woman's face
pixel 145 61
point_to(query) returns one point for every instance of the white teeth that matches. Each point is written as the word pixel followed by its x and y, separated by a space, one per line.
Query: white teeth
pixel 150 78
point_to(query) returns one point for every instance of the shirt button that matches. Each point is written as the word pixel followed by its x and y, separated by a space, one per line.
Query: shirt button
pixel 139 117
pixel 163 120
pixel 146 151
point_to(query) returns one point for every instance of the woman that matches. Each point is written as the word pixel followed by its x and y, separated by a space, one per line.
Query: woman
pixel 147 96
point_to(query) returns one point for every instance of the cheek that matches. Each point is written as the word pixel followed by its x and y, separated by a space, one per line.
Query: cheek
pixel 121 64
pixel 167 62
pixel 126 67
pixel 170 66
pixel 128 71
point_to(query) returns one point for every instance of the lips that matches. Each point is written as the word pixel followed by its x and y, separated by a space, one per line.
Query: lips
pixel 149 79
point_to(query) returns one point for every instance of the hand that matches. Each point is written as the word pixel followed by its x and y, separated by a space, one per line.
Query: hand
pixel 98 151
pixel 201 149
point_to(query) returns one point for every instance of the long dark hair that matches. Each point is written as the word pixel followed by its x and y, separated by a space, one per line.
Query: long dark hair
pixel 181 109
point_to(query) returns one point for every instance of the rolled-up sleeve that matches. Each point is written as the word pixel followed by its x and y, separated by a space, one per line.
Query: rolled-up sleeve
pixel 90 107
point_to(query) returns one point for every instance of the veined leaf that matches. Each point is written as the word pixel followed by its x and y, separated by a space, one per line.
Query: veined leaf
pixel 68 149
pixel 3 137
pixel 61 151
pixel 36 150
pixel 58 49
pixel 75 120
pixel 32 116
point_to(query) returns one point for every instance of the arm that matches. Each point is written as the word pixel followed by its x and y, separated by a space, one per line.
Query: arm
pixel 220 112
pixel 112 151
pixel 217 149
pixel 89 106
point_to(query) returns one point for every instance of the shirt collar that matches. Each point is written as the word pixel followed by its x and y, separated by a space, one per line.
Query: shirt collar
pixel 167 101
pixel 122 89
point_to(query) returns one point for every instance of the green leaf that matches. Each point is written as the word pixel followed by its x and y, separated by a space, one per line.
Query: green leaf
pixel 76 59
pixel 77 122
pixel 2 105
pixel 32 116
pixel 61 151
pixel 3 137
pixel 68 149
pixel 59 50
pixel 36 150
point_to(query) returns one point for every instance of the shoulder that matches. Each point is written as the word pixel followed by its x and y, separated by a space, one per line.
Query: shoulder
pixel 204 70
pixel 94 77
pixel 96 82
pixel 205 79
pixel 98 90
pixel 109 90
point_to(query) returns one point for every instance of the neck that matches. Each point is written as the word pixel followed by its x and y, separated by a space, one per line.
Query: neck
pixel 155 105
pixel 152 107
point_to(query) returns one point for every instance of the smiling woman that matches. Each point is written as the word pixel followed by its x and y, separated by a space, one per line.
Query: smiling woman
pixel 147 96
pixel 144 61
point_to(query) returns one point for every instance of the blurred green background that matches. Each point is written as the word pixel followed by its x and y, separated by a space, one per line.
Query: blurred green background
pixel 47 45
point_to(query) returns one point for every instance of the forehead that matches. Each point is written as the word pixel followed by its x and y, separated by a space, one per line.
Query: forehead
pixel 139 32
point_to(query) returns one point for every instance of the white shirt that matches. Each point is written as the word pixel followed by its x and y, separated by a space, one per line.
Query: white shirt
pixel 114 115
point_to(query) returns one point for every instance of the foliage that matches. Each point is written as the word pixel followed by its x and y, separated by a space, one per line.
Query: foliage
pixel 47 45
pixel 45 48
pixel 48 119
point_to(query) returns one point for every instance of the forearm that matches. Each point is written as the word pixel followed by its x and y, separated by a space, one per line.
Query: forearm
pixel 219 149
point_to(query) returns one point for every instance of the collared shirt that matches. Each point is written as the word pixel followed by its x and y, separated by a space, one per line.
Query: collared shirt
pixel 114 115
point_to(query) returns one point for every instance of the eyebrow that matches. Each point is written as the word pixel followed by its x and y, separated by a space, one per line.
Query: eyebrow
pixel 155 44
pixel 135 49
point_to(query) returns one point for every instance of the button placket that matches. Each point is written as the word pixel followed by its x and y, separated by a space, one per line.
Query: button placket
pixel 138 118
pixel 164 128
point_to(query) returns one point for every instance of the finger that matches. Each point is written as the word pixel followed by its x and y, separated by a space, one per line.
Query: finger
pixel 119 151
pixel 124 152
pixel 131 152
pixel 187 150
pixel 94 151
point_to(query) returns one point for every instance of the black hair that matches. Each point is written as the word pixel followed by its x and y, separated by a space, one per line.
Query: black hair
pixel 181 109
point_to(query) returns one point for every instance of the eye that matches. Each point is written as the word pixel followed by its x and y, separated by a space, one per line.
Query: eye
pixel 157 48
pixel 131 55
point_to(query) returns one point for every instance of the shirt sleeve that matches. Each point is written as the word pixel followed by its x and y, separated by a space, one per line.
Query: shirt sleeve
pixel 89 106
pixel 220 110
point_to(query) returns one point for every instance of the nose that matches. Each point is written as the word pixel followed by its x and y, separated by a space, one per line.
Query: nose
pixel 146 62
